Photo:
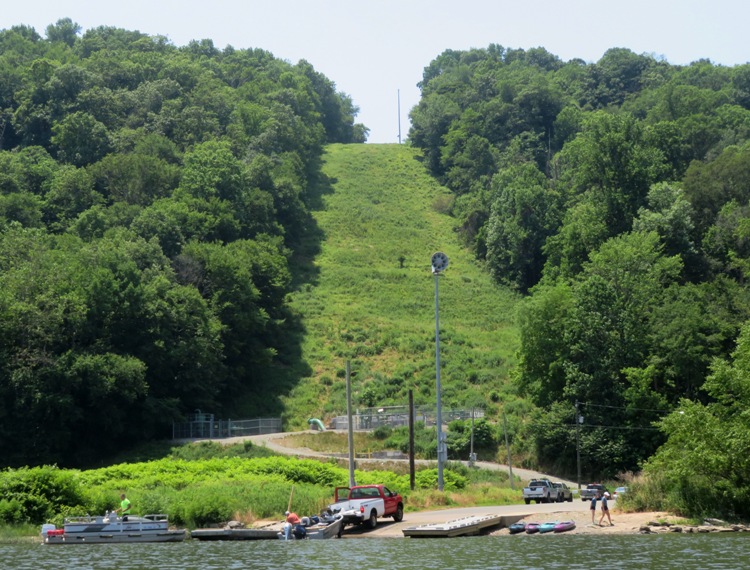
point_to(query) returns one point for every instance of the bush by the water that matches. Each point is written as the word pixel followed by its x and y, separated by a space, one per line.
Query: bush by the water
pixel 193 493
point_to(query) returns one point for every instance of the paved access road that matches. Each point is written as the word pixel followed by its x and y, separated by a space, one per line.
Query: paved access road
pixel 269 440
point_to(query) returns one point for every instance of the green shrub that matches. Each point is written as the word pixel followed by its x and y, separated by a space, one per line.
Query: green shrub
pixel 428 479
pixel 40 491
pixel 12 511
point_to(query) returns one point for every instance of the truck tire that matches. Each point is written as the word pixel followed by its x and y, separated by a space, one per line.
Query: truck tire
pixel 399 514
pixel 372 522
pixel 570 499
pixel 527 501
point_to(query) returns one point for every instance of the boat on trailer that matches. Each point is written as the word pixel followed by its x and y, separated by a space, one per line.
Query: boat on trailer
pixel 111 529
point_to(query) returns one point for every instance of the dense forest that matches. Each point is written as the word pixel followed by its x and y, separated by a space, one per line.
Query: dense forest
pixel 152 198
pixel 615 196
pixel 155 208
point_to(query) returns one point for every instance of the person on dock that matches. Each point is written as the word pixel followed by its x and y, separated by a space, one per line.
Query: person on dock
pixel 124 509
pixel 594 499
pixel 605 510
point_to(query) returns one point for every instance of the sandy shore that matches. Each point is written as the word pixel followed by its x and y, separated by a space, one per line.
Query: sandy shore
pixel 622 523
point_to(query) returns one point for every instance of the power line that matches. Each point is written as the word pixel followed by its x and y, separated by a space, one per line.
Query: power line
pixel 599 426
pixel 624 408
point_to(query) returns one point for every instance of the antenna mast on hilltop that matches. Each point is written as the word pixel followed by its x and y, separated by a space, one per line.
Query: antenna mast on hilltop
pixel 398 92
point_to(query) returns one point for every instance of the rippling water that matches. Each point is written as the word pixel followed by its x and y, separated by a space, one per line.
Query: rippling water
pixel 686 552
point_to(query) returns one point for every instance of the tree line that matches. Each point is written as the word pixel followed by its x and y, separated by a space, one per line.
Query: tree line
pixel 152 198
pixel 615 195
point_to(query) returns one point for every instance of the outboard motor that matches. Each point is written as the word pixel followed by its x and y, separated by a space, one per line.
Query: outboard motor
pixel 300 531
pixel 46 528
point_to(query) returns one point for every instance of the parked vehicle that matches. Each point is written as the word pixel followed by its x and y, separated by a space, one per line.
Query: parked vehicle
pixel 591 490
pixel 564 493
pixel 540 491
pixel 365 503
pixel 619 491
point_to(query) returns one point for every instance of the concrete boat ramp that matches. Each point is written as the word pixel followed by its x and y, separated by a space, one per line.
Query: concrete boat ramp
pixel 465 526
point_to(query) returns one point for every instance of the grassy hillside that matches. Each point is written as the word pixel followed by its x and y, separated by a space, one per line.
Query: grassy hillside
pixel 369 294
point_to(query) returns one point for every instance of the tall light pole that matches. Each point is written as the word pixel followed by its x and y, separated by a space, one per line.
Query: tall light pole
pixel 439 264
pixel 579 421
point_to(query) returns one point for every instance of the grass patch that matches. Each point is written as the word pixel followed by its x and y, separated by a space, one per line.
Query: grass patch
pixel 372 299
pixel 21 533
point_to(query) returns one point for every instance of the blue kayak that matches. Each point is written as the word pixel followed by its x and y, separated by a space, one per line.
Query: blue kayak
pixel 547 527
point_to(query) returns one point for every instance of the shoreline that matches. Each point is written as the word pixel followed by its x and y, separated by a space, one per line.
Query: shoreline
pixel 651 522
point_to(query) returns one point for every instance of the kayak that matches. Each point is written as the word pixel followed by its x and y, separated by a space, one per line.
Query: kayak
pixel 564 526
pixel 515 528
pixel 531 528
pixel 547 527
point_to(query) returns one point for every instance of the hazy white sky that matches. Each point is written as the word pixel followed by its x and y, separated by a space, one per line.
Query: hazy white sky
pixel 375 49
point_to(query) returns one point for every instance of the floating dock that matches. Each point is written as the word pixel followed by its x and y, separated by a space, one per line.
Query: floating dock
pixel 236 533
pixel 465 526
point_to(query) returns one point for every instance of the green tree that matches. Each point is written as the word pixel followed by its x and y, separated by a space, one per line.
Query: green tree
pixel 64 30
pixel 80 139
pixel 523 215
pixel 705 458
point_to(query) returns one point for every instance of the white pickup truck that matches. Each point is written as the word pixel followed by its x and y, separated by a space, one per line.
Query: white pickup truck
pixel 365 503
pixel 540 491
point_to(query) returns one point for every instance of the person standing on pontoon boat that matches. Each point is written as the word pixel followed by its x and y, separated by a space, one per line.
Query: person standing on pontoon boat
pixel 124 509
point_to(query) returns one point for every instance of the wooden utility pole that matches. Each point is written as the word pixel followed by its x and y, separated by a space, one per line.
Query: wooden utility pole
pixel 349 422
pixel 412 471
pixel 507 446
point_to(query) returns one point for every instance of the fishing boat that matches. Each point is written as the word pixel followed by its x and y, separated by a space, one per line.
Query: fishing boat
pixel 547 527
pixel 314 528
pixel 111 529
pixel 565 526
pixel 532 528
pixel 518 527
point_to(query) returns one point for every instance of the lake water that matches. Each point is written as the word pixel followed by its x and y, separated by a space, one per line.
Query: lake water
pixel 663 551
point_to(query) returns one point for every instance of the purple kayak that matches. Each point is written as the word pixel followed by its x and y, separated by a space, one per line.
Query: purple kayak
pixel 565 525
pixel 531 528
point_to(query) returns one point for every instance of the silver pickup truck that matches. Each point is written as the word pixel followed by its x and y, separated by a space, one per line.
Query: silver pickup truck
pixel 540 491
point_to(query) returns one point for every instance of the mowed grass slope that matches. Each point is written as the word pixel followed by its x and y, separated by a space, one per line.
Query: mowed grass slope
pixel 372 297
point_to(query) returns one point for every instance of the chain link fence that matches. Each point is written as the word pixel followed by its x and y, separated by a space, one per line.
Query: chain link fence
pixel 205 426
